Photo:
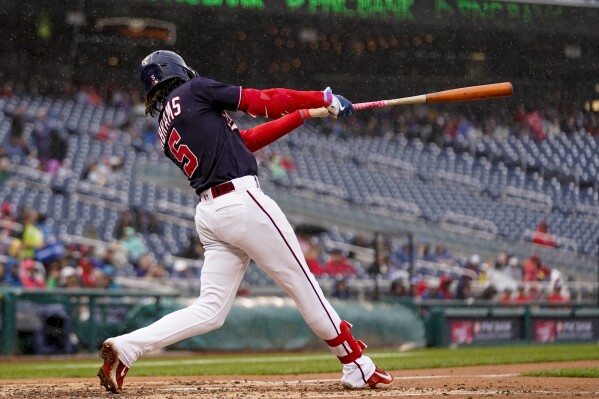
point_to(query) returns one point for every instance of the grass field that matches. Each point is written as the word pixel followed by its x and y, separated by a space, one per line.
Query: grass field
pixel 577 372
pixel 292 363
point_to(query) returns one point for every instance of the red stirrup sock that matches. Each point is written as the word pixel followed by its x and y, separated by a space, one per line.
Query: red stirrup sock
pixel 345 346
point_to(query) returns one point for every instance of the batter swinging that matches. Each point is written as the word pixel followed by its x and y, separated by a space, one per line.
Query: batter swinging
pixel 235 220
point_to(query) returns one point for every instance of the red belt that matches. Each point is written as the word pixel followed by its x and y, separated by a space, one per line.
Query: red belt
pixel 222 189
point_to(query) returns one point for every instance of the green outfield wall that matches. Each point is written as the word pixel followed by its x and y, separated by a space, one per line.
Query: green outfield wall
pixel 28 322
pixel 274 323
pixel 254 324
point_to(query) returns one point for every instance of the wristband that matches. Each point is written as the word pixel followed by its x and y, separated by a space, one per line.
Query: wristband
pixel 305 114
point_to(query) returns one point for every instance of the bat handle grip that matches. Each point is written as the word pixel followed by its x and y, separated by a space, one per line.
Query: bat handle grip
pixel 371 104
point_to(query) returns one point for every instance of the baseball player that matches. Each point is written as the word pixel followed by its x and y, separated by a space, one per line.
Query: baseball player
pixel 235 220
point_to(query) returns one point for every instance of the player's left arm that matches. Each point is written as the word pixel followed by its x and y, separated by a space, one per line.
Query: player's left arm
pixel 262 135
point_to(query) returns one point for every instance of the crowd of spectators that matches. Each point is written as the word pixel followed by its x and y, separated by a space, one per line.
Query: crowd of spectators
pixel 439 273
pixel 468 122
pixel 33 257
pixel 42 140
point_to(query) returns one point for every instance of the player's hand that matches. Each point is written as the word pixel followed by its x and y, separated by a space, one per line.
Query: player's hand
pixel 340 106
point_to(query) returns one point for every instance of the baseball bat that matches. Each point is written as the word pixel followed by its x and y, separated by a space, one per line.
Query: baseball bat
pixel 462 94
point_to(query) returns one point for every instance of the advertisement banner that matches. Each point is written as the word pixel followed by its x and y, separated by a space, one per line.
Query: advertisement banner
pixel 560 330
pixel 474 331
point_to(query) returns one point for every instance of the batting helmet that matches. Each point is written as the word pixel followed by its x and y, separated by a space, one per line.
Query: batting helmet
pixel 161 66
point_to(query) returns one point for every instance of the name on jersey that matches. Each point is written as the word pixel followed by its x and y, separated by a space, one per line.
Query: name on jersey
pixel 171 109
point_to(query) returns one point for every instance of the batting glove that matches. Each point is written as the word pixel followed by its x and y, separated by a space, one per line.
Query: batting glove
pixel 340 107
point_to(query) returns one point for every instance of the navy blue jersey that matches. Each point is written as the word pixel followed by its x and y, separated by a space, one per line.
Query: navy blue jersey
pixel 198 135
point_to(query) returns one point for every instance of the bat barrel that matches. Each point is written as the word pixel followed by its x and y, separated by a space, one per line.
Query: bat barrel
pixel 462 94
pixel 471 93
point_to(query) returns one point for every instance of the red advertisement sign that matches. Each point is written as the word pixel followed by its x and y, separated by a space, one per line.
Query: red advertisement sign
pixel 556 330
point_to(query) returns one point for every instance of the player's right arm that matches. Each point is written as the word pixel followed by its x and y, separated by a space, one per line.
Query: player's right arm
pixel 262 135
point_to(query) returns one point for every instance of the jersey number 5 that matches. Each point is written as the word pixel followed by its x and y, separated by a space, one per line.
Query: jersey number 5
pixel 182 153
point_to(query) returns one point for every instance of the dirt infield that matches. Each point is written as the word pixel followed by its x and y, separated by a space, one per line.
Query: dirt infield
pixel 466 382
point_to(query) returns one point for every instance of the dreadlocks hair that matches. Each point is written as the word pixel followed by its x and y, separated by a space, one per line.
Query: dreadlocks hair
pixel 162 91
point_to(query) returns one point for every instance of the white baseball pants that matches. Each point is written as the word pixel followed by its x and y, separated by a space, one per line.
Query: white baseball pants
pixel 235 227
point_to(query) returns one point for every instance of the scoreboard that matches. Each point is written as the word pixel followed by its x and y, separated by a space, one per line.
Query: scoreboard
pixel 541 15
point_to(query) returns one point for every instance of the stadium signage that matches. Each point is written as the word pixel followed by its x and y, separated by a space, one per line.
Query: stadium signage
pixel 565 330
pixel 403 10
pixel 469 331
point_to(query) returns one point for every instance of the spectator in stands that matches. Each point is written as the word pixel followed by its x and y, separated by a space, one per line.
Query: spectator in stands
pixel 9 225
pixel 424 252
pixel 531 268
pixel 69 278
pixel 288 163
pixel 107 133
pixel 521 296
pixel 17 127
pixel 464 289
pixel 383 267
pixel 445 287
pixel 127 220
pixel 312 255
pixel 16 145
pixel 542 236
pixel 114 256
pixel 484 273
pixel 276 168
pixel 243 290
pixel 12 278
pixel 32 237
pixel 420 287
pixel 148 223
pixel 193 250
pixel 441 255
pixel 148 133
pixel 401 258
pixel 489 293
pixel 501 261
pixel 40 135
pixel 438 291
pixel 133 244
pixel 149 268
pixel 94 173
pixel 64 171
pixel 3 273
pixel 5 173
pixel 31 274
pixel 183 270
pixel 105 278
pixel 338 265
pixel 544 272
pixel 86 272
pixel 473 263
pixel 341 289
pixel 557 296
pixel 57 150
pixel 53 275
pixel 398 288
pixel 506 297
pixel 513 269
